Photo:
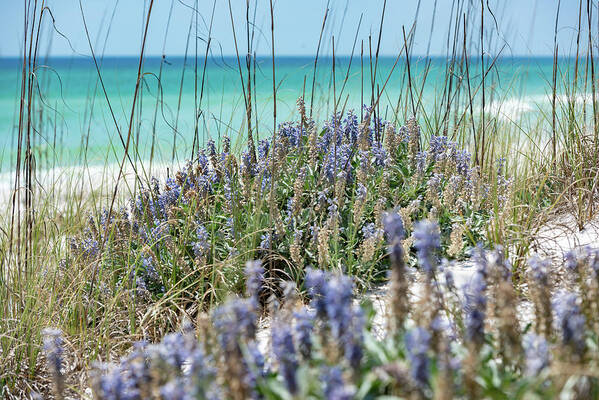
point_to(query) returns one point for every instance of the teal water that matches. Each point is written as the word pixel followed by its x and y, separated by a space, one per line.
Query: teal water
pixel 74 124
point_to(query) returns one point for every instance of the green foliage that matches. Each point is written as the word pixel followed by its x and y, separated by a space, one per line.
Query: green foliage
pixel 314 198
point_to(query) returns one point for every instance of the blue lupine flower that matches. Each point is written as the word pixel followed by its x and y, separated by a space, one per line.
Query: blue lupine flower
pixel 135 367
pixel 201 246
pixel 141 286
pixel 338 301
pixel 379 153
pixel 435 181
pixel 211 146
pixel 475 308
pixel 332 299
pixel 500 165
pixel 332 133
pixel 316 281
pixel 350 128
pixel 335 387
pixel 336 161
pixel 322 198
pixel 200 375
pixel 53 349
pixel 263 147
pixel 536 350
pixel 437 146
pixel 226 144
pixel 266 177
pixel 204 184
pixel 361 193
pixel 247 168
pixel 173 350
pixel 291 132
pixel 254 275
pixel 114 385
pixel 202 160
pixel 254 365
pixel 284 353
pixel 570 321
pixel 364 158
pixel 417 346
pixel 110 384
pixel 266 241
pixel 297 235
pixel 540 270
pixel 333 210
pixel 303 328
pixel 233 321
pixel 155 185
pixel 353 338
pixel 571 260
pixel 183 176
pixel 174 390
pixel 369 230
pixel 393 226
pixel 421 162
pixel 230 224
pixel 90 248
pixel 170 196
pixel 105 219
pixel 427 241
pixel 157 232
pixel 592 256
pixel 289 207
pixel 502 267
pixel 463 162
pixel 394 232
pixel 150 274
pixel 583 256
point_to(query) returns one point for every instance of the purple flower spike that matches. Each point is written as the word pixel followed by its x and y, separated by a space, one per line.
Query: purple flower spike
pixel 234 321
pixel 53 349
pixel 304 325
pixel 284 352
pixel 173 390
pixel 394 232
pixel 338 301
pixel 427 241
pixel 417 346
pixel 475 308
pixel 570 320
pixel 335 387
pixel 316 282
pixel 536 350
pixel 254 275
pixel 540 270
pixel 393 225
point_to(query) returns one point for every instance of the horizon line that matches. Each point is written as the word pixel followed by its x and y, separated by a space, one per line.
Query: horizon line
pixel 269 56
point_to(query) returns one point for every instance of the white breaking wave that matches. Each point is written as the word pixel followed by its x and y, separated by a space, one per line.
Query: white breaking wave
pixel 513 108
pixel 510 109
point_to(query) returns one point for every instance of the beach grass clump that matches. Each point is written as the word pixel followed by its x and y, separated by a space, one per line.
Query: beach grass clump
pixel 459 343
pixel 309 197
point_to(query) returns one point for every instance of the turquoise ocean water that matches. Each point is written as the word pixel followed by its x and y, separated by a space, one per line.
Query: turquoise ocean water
pixel 74 125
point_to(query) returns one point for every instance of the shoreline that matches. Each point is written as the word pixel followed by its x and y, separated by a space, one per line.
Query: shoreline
pixel 62 184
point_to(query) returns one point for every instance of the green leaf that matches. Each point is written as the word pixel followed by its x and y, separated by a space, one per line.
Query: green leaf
pixel 375 348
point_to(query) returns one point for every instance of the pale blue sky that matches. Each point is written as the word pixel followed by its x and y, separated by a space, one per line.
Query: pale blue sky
pixel 525 26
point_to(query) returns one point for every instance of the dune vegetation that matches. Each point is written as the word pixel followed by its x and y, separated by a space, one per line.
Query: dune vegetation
pixel 385 249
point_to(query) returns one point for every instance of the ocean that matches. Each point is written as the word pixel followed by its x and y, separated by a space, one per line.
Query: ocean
pixel 74 123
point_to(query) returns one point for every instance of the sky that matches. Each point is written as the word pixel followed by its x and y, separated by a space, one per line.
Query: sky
pixel 524 27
